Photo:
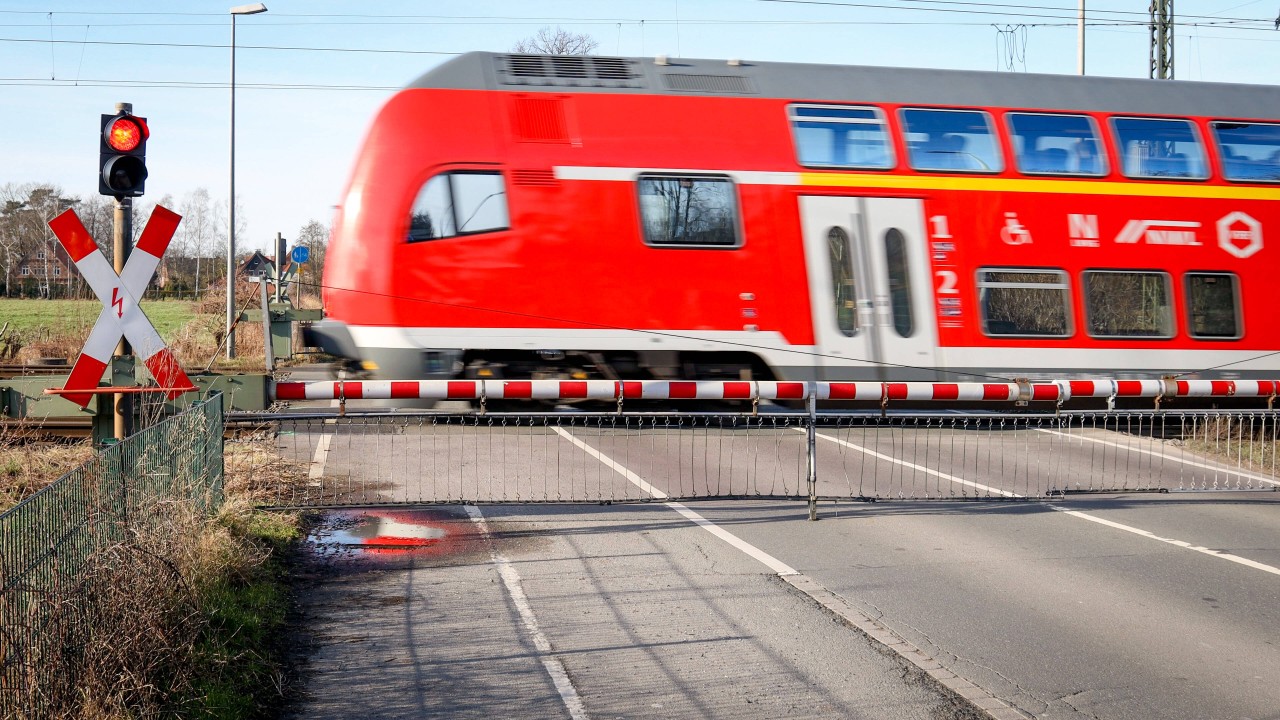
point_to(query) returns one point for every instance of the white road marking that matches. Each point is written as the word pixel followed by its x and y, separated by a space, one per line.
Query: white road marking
pixel 1074 513
pixel 1180 543
pixel 322 454
pixel 913 466
pixel 511 581
pixel 1182 460
pixel 982 700
pixel 765 558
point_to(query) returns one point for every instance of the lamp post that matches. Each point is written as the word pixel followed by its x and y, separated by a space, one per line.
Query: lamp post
pixel 253 9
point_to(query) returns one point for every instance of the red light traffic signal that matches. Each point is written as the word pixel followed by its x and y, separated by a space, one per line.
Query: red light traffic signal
pixel 122 155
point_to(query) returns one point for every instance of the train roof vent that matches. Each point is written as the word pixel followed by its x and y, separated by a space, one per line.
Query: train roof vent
pixel 688 82
pixel 568 71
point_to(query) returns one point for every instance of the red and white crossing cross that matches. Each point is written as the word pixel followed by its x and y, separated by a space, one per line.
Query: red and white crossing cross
pixel 121 316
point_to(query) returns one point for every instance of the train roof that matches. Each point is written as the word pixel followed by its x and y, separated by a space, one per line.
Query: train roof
pixel 849 83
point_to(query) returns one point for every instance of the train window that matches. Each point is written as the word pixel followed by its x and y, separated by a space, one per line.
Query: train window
pixel 1056 144
pixel 688 211
pixel 1024 302
pixel 895 252
pixel 1124 304
pixel 843 289
pixel 1250 151
pixel 840 136
pixel 951 140
pixel 1213 306
pixel 1151 148
pixel 459 203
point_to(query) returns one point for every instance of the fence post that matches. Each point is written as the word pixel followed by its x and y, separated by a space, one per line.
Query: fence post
pixel 813 451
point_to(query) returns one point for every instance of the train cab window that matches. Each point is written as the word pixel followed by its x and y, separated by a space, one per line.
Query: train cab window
pixel 1151 148
pixel 1126 304
pixel 843 290
pixel 1024 302
pixel 840 136
pixel 459 203
pixel 1213 306
pixel 1056 144
pixel 688 211
pixel 951 140
pixel 895 253
pixel 1250 151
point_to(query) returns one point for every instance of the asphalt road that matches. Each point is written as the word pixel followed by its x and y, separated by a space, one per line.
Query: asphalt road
pixel 1099 606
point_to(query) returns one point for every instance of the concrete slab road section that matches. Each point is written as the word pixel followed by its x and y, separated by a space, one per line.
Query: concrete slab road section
pixel 579 612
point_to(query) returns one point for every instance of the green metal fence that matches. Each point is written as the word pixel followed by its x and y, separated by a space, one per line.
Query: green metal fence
pixel 48 538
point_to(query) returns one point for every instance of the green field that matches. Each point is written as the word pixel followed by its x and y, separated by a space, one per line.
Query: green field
pixel 60 317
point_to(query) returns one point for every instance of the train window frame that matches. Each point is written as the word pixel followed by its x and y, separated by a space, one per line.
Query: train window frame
pixel 735 224
pixel 1099 146
pixel 880 118
pixel 1170 322
pixel 1063 285
pixel 1225 155
pixel 1189 300
pixel 446 179
pixel 993 133
pixel 1123 153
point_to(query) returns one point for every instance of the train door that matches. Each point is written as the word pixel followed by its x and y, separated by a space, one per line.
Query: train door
pixel 870 287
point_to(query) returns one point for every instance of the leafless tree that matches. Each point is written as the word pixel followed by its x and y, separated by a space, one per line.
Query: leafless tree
pixel 199 233
pixel 315 237
pixel 556 42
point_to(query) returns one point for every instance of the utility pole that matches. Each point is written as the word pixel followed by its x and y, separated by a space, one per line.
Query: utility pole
pixel 1080 41
pixel 1162 39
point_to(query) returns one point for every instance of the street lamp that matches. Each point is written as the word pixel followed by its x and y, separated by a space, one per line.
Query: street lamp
pixel 253 9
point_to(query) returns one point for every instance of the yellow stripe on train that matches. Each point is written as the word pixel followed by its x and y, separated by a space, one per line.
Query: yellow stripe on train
pixel 1020 185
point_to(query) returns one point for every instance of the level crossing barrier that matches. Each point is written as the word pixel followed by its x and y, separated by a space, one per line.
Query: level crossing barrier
pixel 644 452
pixel 1023 391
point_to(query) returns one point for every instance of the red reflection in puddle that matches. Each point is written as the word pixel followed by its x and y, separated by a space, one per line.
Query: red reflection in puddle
pixel 387 531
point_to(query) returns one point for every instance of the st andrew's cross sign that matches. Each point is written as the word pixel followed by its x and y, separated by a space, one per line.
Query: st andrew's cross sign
pixel 121 316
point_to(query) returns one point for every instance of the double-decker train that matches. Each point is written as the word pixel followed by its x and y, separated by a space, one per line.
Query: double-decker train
pixel 607 217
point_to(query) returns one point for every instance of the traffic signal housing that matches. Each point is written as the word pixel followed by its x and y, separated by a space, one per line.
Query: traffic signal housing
pixel 122 155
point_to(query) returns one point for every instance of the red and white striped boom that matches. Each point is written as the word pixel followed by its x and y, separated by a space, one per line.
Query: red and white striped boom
pixel 1057 391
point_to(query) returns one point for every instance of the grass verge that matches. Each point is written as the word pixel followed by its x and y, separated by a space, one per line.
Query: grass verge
pixel 183 617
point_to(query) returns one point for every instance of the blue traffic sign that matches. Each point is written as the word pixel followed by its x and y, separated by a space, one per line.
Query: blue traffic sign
pixel 300 254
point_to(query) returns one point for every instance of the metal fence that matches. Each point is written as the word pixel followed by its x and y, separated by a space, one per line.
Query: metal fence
pixel 580 457
pixel 48 538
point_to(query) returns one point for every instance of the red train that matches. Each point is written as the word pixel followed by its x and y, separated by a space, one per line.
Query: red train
pixel 597 217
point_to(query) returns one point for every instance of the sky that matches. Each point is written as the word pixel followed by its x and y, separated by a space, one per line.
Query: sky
pixel 311 74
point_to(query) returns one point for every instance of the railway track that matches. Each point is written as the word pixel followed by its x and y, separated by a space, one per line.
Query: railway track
pixel 10 370
pixel 57 429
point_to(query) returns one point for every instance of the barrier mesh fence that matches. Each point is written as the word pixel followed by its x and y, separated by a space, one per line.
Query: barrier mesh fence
pixel 46 540
pixel 402 458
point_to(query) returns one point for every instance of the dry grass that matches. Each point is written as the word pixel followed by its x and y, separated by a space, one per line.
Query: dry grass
pixel 27 465
pixel 182 618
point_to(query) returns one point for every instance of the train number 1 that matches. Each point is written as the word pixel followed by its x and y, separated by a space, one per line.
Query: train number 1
pixel 940 229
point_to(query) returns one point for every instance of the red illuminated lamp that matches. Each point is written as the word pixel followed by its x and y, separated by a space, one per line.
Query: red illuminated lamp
pixel 125 134
pixel 122 155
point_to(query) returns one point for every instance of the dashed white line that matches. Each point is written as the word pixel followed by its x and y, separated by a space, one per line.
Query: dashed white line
pixel 554 667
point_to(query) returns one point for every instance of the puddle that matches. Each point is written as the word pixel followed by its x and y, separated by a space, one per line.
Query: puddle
pixel 391 532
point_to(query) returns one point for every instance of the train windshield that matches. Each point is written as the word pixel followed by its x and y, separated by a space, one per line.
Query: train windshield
pixel 1153 148
pixel 1250 151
